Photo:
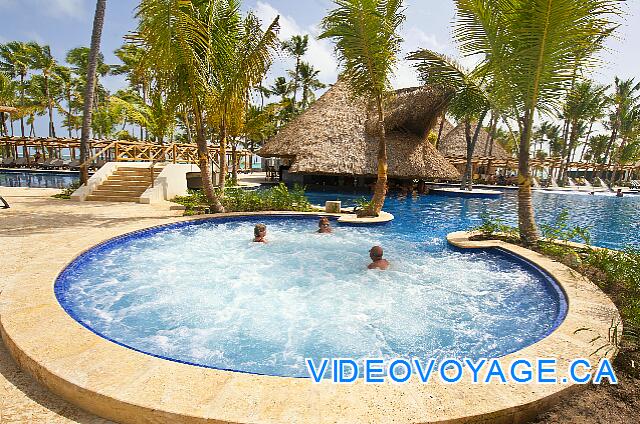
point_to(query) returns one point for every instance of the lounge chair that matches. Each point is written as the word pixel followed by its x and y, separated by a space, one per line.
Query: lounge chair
pixel 37 164
pixel 74 165
pixel 20 163
pixel 635 184
pixel 55 164
pixel 46 163
pixel 4 205
pixel 7 162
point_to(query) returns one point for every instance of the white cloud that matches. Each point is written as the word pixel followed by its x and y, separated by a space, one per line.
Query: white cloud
pixel 320 52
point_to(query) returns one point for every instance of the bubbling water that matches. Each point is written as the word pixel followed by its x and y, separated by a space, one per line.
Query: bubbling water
pixel 206 295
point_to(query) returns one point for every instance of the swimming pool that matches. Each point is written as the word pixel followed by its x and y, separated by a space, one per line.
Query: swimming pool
pixel 202 293
pixel 613 222
pixel 37 179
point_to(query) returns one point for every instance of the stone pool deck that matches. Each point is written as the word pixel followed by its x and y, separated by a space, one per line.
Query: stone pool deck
pixel 40 235
pixel 33 232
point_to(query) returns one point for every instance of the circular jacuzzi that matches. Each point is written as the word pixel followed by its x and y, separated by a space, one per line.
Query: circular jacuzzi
pixel 202 293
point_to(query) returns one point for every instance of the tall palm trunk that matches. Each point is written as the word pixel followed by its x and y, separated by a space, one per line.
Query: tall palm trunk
pixel 469 164
pixel 203 161
pixel 234 164
pixel 98 23
pixel 52 129
pixel 22 103
pixel 380 192
pixel 526 217
pixel 472 141
pixel 586 142
pixel 444 116
pixel 573 140
pixel 3 125
pixel 69 113
pixel 296 84
pixel 223 156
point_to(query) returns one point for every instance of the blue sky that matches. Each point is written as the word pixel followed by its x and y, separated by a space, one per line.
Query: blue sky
pixel 65 24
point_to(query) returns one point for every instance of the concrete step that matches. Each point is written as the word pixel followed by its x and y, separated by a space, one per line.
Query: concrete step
pixel 105 198
pixel 130 179
pixel 124 191
pixel 126 184
pixel 133 175
pixel 135 168
pixel 136 171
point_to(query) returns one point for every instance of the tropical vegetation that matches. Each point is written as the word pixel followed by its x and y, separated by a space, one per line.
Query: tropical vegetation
pixel 532 54
pixel 367 44
pixel 236 199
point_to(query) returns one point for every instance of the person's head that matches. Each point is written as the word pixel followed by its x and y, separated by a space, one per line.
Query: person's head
pixel 619 190
pixel 323 222
pixel 260 230
pixel 376 253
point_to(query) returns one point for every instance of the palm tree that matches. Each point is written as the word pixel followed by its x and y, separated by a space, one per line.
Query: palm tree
pixel 70 92
pixel 582 104
pixel 281 87
pixel 98 23
pixel 629 133
pixel 14 62
pixel 469 103
pixel 42 60
pixel 531 50
pixel 8 90
pixel 135 69
pixel 176 38
pixel 297 47
pixel 367 45
pixel 624 99
pixel 309 82
pixel 240 65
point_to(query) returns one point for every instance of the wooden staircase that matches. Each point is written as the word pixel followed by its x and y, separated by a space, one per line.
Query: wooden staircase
pixel 126 184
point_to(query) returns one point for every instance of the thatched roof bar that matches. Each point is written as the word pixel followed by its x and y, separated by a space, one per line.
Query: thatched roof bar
pixel 337 136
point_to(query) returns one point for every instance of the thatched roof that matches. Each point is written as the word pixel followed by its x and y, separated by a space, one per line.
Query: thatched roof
pixel 454 144
pixel 8 109
pixel 337 136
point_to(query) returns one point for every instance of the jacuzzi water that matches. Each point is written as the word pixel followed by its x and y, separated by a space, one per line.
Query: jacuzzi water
pixel 204 294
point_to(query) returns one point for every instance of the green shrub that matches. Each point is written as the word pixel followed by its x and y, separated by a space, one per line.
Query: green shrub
pixel 363 207
pixel 560 230
pixel 68 191
pixel 619 275
pixel 278 198
pixel 492 226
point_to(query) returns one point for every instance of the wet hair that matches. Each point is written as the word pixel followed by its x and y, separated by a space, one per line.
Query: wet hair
pixel 376 252
pixel 322 220
pixel 258 229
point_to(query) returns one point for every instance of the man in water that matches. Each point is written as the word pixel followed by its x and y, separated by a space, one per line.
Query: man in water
pixel 324 227
pixel 260 233
pixel 376 254
pixel 619 193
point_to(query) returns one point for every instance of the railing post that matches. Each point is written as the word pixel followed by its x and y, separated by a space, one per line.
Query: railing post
pixel 175 152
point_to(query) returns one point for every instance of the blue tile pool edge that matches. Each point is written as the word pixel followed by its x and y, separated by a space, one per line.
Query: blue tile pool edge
pixel 60 284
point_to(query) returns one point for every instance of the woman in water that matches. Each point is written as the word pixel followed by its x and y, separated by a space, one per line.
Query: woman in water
pixel 324 227
pixel 260 233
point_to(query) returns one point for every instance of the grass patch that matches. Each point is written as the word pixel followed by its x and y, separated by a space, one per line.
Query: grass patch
pixel 278 198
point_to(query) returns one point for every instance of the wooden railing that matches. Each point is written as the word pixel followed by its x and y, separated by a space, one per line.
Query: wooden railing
pixel 126 151
pixel 549 163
